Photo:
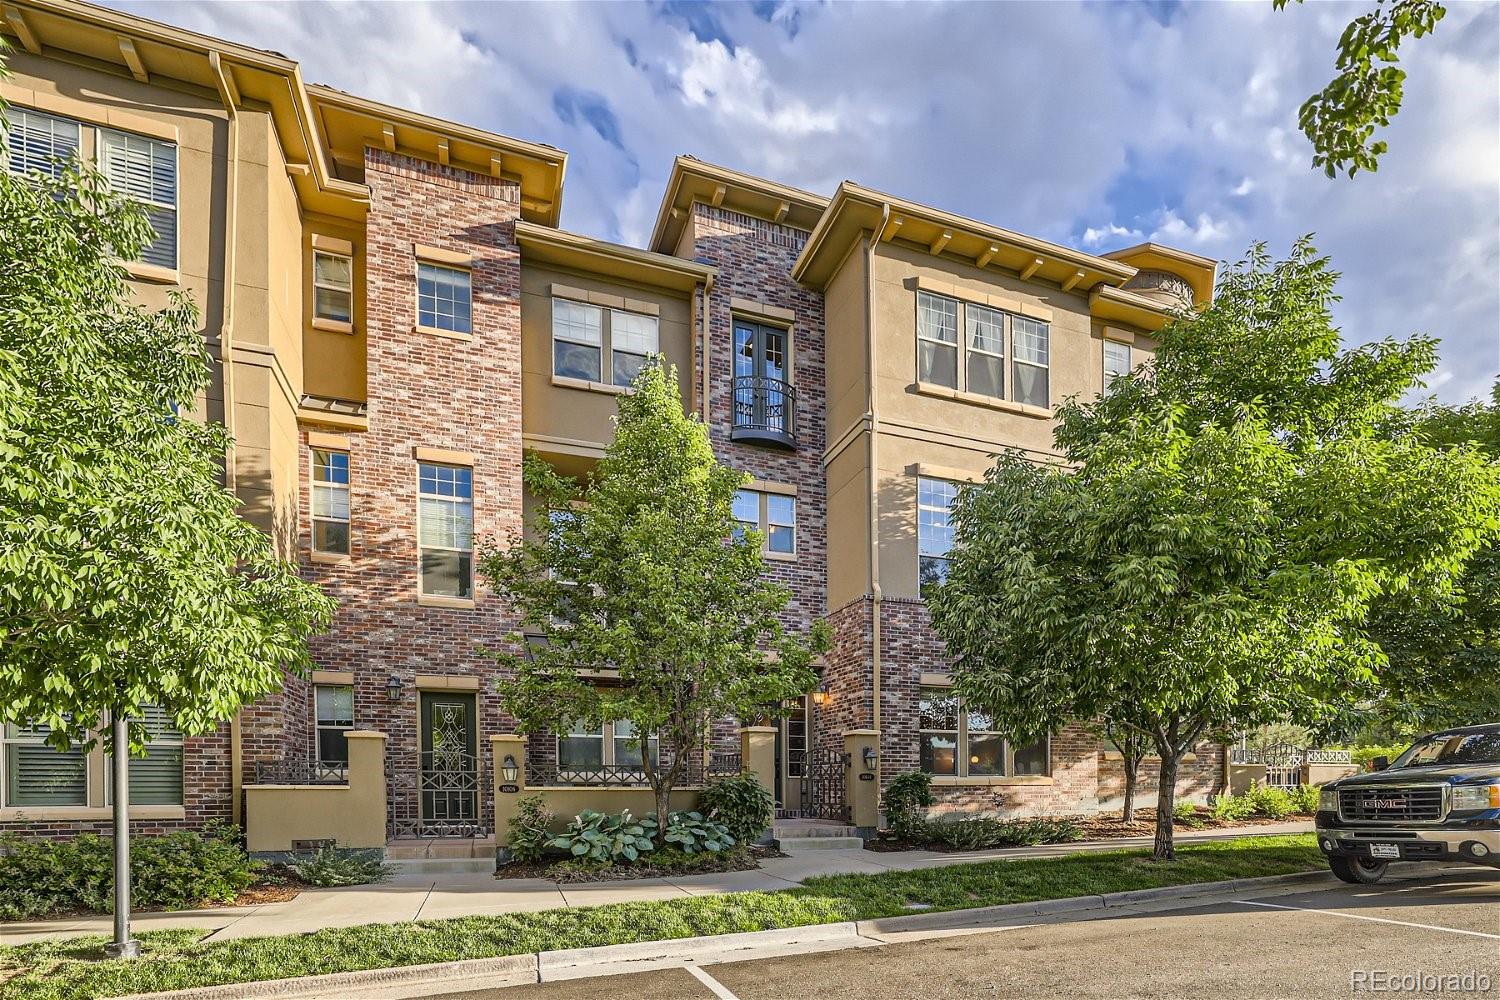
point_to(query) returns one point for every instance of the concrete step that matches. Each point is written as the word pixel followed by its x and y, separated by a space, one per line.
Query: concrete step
pixel 803 829
pixel 442 866
pixel 415 849
pixel 799 845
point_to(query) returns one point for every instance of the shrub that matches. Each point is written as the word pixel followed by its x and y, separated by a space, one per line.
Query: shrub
pixel 742 804
pixel 1305 799
pixel 905 803
pixel 1187 813
pixel 691 833
pixel 1230 808
pixel 1030 832
pixel 601 837
pixel 1365 756
pixel 1269 800
pixel 974 833
pixel 528 829
pixel 174 871
pixel 329 866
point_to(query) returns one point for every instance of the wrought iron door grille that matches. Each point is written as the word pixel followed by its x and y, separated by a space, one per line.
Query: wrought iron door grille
pixel 447 797
pixel 822 783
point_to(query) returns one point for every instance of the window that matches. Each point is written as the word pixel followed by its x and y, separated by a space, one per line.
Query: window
pixel 156 779
pixel 333 707
pixel 959 741
pixel 1028 342
pixel 330 501
pixel 146 170
pixel 40 142
pixel 774 515
pixel 633 338
pixel 985 357
pixel 937 339
pixel 445 529
pixel 333 286
pixel 934 530
pixel 38 775
pixel 1116 362
pixel 577 340
pixel 443 298
pixel 588 746
pixel 796 739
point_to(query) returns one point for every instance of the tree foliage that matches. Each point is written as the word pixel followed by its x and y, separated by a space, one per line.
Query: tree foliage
pixel 1340 120
pixel 643 573
pixel 1444 644
pixel 1230 514
pixel 127 577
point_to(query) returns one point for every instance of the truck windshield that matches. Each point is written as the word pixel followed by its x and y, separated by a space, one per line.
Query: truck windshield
pixel 1455 748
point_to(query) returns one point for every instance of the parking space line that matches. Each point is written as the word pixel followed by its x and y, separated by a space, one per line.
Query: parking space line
pixel 719 989
pixel 1361 916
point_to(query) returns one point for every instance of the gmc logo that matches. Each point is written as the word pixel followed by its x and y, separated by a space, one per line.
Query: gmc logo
pixel 1384 803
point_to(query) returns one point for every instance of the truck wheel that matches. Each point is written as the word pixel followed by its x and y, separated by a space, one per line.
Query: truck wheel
pixel 1358 871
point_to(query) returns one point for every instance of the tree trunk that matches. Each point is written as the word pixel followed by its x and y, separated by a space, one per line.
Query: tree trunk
pixel 1132 770
pixel 663 812
pixel 1166 793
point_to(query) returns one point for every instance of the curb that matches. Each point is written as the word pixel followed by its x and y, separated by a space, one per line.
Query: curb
pixel 576 963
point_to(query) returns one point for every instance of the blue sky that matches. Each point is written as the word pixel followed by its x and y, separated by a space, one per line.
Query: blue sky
pixel 1096 126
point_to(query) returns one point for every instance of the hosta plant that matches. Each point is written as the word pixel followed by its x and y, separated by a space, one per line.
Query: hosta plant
pixel 603 837
pixel 691 832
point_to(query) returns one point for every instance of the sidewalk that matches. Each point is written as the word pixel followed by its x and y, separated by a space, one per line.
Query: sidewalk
pixel 432 897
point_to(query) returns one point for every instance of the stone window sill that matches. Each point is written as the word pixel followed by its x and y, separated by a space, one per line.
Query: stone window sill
pixel 154 273
pixel 329 558
pixel 435 601
pixel 449 334
pixel 948 780
pixel 332 325
pixel 988 402
pixel 45 814
pixel 564 382
pixel 779 556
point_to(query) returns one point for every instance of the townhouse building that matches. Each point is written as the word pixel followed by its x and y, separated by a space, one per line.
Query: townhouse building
pixel 396 318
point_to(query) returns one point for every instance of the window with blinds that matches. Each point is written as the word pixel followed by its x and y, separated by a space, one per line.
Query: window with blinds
pixel 40 142
pixel 330 501
pixel 39 775
pixel 445 529
pixel 156 779
pixel 146 170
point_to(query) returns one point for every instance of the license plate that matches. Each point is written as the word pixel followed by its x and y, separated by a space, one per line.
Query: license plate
pixel 1385 850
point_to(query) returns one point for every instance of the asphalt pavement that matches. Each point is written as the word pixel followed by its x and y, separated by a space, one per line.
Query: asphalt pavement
pixel 1429 935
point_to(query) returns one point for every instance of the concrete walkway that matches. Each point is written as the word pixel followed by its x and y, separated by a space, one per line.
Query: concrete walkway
pixel 434 897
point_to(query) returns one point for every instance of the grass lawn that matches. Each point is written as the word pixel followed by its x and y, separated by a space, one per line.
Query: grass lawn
pixel 75 969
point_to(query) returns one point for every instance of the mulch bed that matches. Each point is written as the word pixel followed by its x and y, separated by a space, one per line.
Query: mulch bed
pixel 564 872
pixel 1102 826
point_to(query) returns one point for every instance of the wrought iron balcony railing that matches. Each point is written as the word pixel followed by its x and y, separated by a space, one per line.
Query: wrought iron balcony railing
pixel 764 411
pixel 300 771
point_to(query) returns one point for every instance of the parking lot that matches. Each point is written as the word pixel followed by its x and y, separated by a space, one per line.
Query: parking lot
pixel 1333 941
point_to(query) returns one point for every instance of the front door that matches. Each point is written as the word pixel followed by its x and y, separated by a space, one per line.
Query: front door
pixel 450 764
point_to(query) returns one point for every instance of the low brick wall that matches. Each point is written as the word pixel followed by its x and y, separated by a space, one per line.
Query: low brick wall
pixel 1199 776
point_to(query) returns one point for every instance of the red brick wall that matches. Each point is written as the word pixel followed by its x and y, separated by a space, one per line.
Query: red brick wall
pixel 1196 779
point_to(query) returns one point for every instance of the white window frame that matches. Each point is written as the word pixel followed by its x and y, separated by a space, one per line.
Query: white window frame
pixel 931 508
pixel 330 286
pixel 14 736
pixel 972 313
pixel 151 202
pixel 1045 366
pixel 332 489
pixel 607 734
pixel 582 325
pixel 930 327
pixel 1113 372
pixel 962 735
pixel 763 524
pixel 169 739
pixel 467 329
pixel 455 502
pixel 23 129
pixel 319 725
pixel 620 320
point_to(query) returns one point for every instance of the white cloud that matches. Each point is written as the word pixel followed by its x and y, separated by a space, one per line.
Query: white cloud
pixel 1045 118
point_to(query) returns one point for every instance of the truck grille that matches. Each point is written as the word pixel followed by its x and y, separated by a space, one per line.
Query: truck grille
pixel 1419 804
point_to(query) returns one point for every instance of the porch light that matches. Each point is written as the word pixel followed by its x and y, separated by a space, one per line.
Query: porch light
pixel 508 770
pixel 393 688
pixel 870 756
pixel 820 696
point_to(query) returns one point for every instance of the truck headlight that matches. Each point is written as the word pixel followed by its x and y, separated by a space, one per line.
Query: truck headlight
pixel 1328 800
pixel 1476 797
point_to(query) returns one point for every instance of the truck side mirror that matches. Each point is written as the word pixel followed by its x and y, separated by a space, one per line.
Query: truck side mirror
pixel 1379 763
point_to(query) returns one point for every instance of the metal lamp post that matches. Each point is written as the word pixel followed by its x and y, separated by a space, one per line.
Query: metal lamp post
pixel 123 946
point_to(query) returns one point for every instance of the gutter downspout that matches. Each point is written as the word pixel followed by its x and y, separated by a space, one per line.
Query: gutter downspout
pixel 703 320
pixel 226 359
pixel 871 456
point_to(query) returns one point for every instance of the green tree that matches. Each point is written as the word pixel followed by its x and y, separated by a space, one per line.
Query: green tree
pixel 1231 513
pixel 644 572
pixel 1340 120
pixel 1444 644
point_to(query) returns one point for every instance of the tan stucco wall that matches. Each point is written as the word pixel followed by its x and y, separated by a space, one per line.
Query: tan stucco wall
pixel 267 300
pixel 845 326
pixel 351 815
pixel 555 412
pixel 335 362
pixel 848 524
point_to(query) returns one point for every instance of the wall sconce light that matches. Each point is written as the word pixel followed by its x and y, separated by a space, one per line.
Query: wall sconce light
pixel 870 757
pixel 508 770
pixel 393 688
pixel 820 696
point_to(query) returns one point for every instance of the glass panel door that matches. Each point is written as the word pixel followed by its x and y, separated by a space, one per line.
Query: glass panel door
pixel 450 767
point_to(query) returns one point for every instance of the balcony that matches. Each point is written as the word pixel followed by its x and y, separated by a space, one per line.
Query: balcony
pixel 765 411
